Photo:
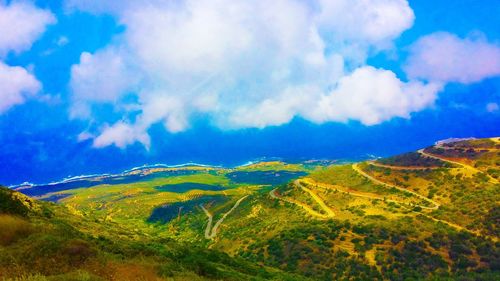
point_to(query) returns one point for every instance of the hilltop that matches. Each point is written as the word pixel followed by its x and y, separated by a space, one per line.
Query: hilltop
pixel 430 214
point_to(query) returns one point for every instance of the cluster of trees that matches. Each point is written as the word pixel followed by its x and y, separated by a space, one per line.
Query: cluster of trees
pixel 310 250
pixel 413 159
pixel 457 152
pixel 10 205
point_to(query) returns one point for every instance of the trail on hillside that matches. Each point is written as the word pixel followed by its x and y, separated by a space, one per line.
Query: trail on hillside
pixel 211 233
pixel 456 226
pixel 308 209
pixel 368 196
pixel 402 168
pixel 347 191
pixel 316 198
pixel 356 168
pixel 459 227
pixel 465 166
pixel 219 222
pixel 209 224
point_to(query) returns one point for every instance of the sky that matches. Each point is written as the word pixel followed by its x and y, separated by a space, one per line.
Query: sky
pixel 90 86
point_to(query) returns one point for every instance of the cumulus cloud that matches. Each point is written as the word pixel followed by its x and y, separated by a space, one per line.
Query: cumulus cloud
pixel 244 64
pixel 372 96
pixel 121 134
pixel 21 23
pixel 368 95
pixel 99 77
pixel 447 58
pixel 16 84
pixel 374 22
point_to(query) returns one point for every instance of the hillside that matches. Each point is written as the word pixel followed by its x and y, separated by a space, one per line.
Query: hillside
pixel 432 214
pixel 44 241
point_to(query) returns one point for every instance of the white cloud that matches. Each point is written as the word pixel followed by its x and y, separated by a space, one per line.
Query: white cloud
pixel 101 77
pixel 275 111
pixel 447 58
pixel 16 84
pixel 369 21
pixel 83 136
pixel 492 107
pixel 368 95
pixel 372 96
pixel 21 23
pixel 245 64
pixel 121 134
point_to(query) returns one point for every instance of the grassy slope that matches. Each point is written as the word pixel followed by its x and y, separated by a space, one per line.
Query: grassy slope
pixel 375 239
pixel 377 232
pixel 44 241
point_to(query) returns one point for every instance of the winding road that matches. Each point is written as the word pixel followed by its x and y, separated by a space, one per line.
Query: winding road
pixel 209 224
pixel 401 168
pixel 308 209
pixel 321 203
pixel 435 204
pixel 465 166
pixel 368 196
pixel 345 190
pixel 211 233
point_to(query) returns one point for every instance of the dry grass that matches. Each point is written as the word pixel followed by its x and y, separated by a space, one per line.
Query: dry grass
pixel 13 228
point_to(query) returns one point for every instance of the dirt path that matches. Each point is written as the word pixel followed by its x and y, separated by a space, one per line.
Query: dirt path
pixel 459 227
pixel 219 222
pixel 308 209
pixel 328 210
pixel 209 224
pixel 465 166
pixel 435 204
pixel 211 233
pixel 373 163
pixel 347 191
pixel 364 195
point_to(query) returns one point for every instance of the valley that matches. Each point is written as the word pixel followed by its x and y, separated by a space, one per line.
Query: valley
pixel 433 214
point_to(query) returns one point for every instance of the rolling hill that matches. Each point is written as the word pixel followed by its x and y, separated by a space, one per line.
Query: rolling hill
pixel 433 214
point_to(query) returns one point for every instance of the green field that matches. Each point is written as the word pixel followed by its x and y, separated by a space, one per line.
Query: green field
pixel 427 215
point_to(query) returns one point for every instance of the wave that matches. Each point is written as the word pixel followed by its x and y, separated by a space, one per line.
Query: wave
pixel 26 185
pixel 159 165
pixel 68 179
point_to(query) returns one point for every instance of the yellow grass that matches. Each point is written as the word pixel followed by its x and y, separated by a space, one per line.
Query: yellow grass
pixel 13 228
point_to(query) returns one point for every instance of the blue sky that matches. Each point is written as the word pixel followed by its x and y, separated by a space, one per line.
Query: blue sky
pixel 91 87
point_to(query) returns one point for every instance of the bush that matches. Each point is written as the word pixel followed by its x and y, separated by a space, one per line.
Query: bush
pixel 78 251
pixel 11 205
pixel 13 228
pixel 74 276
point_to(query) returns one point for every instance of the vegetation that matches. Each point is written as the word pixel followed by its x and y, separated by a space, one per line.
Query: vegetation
pixel 427 215
pixel 413 159
pixel 64 246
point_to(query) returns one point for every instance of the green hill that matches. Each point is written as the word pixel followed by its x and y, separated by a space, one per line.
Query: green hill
pixel 433 214
pixel 45 241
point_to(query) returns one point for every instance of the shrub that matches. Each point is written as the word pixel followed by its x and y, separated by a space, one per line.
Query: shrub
pixel 13 228
pixel 78 251
pixel 11 205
